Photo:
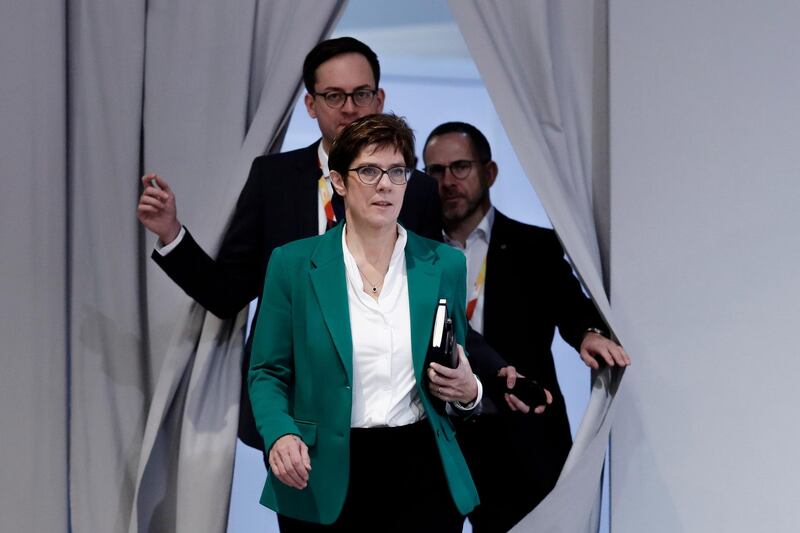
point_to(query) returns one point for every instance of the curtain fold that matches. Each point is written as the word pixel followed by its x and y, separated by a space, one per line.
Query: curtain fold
pixel 109 374
pixel 219 64
pixel 118 398
pixel 33 267
pixel 544 65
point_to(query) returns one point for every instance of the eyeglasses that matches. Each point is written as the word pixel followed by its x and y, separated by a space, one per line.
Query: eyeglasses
pixel 337 99
pixel 460 169
pixel 370 174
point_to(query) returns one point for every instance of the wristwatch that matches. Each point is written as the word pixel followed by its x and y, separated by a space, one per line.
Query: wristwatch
pixel 596 330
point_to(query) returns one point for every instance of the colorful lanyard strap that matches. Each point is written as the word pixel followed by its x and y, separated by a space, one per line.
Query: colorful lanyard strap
pixel 479 281
pixel 326 199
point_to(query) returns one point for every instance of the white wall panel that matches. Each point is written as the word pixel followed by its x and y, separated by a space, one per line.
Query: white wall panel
pixel 705 264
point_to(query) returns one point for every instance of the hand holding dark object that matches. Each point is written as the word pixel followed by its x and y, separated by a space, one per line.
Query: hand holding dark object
pixel 443 343
pixel 519 392
pixel 453 384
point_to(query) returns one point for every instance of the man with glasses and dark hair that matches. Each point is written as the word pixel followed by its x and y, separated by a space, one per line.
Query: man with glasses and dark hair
pixel 287 196
pixel 519 289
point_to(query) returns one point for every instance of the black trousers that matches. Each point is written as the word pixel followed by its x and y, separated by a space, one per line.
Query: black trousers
pixel 397 484
pixel 513 467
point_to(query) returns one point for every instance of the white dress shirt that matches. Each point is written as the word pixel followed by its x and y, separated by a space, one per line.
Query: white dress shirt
pixel 476 248
pixel 384 386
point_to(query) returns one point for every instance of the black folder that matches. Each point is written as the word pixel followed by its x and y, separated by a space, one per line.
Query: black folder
pixel 442 348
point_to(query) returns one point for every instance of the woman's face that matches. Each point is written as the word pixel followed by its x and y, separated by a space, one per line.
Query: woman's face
pixel 377 205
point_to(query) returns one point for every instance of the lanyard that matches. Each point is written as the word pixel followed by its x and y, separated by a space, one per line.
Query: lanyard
pixel 325 198
pixel 479 281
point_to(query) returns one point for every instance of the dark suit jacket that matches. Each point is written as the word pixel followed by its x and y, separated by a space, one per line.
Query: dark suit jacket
pixel 529 292
pixel 279 204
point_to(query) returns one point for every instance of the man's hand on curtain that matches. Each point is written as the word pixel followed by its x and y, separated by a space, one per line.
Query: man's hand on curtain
pixel 289 461
pixel 596 347
pixel 156 209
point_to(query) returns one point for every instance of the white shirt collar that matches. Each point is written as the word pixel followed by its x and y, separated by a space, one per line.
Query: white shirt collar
pixel 482 231
pixel 394 262
pixel 400 245
pixel 323 160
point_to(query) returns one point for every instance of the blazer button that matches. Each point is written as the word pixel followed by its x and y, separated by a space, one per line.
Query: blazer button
pixel 348 387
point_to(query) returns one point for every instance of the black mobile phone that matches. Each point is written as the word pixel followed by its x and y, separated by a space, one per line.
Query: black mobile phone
pixel 527 390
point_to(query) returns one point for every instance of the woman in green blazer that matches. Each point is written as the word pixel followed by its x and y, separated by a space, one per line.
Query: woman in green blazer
pixel 354 422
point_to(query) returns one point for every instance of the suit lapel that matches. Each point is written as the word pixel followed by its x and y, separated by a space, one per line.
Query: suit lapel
pixel 496 258
pixel 423 290
pixel 330 287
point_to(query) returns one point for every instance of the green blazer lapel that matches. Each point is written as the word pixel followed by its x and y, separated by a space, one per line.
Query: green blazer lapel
pixel 423 296
pixel 330 287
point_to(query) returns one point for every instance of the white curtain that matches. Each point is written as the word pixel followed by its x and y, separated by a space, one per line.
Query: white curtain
pixel 545 66
pixel 220 95
pixel 33 267
pixel 119 400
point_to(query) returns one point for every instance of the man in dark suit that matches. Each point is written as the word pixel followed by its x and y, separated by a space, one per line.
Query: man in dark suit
pixel 287 196
pixel 519 289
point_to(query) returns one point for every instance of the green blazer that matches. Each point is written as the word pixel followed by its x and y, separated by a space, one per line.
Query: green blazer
pixel 301 370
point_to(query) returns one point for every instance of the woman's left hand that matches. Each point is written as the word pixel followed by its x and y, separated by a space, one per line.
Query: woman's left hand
pixel 453 384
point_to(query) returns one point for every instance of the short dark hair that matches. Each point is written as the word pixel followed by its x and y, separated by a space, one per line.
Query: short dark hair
pixel 478 139
pixel 332 48
pixel 381 130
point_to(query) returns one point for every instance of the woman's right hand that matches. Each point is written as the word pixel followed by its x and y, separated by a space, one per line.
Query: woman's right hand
pixel 289 461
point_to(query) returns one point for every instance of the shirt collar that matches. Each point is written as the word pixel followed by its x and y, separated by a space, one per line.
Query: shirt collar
pixel 486 224
pixel 399 246
pixel 482 231
pixel 323 160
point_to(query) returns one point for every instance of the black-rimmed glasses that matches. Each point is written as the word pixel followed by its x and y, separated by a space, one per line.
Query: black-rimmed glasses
pixel 370 174
pixel 336 99
pixel 460 169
